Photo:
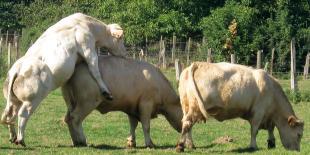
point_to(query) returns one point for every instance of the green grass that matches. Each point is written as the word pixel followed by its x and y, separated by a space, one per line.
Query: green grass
pixel 47 134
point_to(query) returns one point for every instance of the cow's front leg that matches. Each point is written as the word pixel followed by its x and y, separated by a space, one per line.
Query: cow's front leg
pixel 271 139
pixel 255 123
pixel 91 59
pixel 145 110
pixel 131 140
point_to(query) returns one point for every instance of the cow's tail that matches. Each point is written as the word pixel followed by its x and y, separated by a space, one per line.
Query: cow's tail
pixel 8 107
pixel 202 109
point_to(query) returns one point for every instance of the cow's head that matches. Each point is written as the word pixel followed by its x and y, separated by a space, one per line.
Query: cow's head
pixel 114 40
pixel 291 133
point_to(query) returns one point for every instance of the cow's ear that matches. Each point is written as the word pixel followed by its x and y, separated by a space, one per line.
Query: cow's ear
pixel 115 30
pixel 293 121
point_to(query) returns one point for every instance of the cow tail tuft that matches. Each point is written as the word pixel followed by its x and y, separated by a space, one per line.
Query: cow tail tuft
pixel 12 78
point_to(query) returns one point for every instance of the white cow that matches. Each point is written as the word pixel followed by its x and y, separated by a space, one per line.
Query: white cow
pixel 225 91
pixel 51 61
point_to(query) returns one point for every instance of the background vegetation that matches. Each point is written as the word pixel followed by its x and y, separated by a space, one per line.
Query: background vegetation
pixel 260 24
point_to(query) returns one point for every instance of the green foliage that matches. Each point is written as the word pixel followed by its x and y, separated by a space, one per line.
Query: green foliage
pixel 216 30
pixel 261 24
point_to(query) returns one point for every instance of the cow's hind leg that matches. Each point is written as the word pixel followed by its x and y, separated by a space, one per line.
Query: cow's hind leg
pixel 74 120
pixel 131 140
pixel 11 127
pixel 24 114
pixel 189 140
pixel 271 139
pixel 186 128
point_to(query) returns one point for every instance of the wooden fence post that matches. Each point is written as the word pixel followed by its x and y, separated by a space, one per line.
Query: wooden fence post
pixel 174 38
pixel 271 61
pixel 209 59
pixel 259 59
pixel 178 69
pixel 306 67
pixel 141 55
pixel 188 51
pixel 9 55
pixel 163 53
pixel 1 41
pixel 160 50
pixel 1 44
pixel 146 49
pixel 6 38
pixel 16 44
pixel 232 58
pixel 294 86
pixel 134 55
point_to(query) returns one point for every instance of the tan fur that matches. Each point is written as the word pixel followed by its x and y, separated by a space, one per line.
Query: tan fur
pixel 225 91
pixel 140 90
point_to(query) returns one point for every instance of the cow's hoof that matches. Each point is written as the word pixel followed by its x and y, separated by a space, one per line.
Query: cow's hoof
pixel 252 149
pixel 13 139
pixel 107 95
pixel 191 146
pixel 131 144
pixel 180 147
pixel 20 142
pixel 271 144
pixel 79 144
pixel 150 146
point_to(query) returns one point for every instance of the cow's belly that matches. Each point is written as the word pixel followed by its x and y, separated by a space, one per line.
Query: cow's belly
pixel 231 113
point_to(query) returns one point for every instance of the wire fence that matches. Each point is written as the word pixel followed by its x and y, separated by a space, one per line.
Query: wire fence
pixel 162 53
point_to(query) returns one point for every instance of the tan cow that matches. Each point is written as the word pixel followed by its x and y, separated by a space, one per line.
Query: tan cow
pixel 139 90
pixel 225 91
pixel 57 51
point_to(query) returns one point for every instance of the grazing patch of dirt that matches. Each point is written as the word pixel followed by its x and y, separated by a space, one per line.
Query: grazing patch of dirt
pixel 223 140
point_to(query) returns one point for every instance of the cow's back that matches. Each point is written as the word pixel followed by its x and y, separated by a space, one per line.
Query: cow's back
pixel 128 80
pixel 231 90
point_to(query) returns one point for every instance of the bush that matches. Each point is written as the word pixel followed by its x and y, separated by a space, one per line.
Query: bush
pixel 297 96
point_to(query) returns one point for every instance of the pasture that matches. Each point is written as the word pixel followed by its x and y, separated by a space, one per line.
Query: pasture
pixel 46 133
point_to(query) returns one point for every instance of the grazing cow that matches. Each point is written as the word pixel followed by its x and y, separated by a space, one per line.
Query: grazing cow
pixel 141 91
pixel 51 61
pixel 225 91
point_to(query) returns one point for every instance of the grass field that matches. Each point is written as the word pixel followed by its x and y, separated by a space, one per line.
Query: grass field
pixel 106 134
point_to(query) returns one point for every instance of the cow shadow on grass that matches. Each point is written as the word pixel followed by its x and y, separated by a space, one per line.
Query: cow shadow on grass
pixel 244 150
pixel 105 147
pixel 17 148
